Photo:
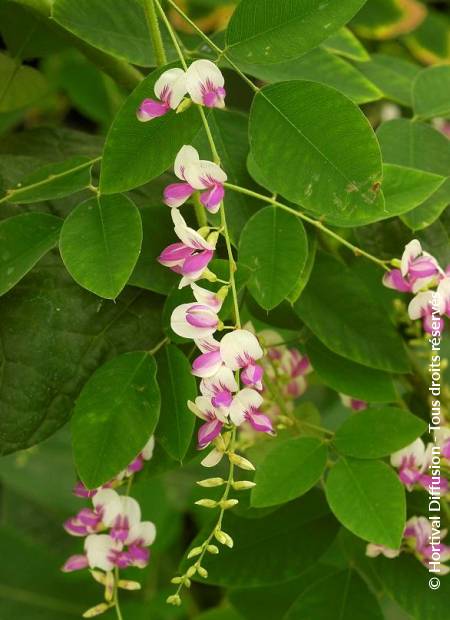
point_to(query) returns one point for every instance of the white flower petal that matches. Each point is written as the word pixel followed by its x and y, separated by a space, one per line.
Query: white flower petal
pixel 98 548
pixel 213 458
pixel 207 298
pixel 412 250
pixel 244 401
pixel 224 379
pixel 147 451
pixel 171 87
pixel 143 533
pixel 204 174
pixel 181 327
pixel 190 237
pixel 239 348
pixel 200 73
pixel 416 450
pixel 187 156
pixel 419 305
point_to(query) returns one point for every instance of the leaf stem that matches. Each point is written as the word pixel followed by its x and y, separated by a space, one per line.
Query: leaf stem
pixel 172 34
pixel 155 33
pixel 159 346
pixel 211 43
pixel 316 223
pixel 116 594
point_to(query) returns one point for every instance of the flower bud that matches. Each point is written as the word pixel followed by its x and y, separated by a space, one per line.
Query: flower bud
pixel 174 599
pixel 213 237
pixel 240 461
pixel 203 231
pixel 211 482
pixel 243 485
pixel 177 580
pixel 223 292
pixel 228 503
pixel 209 275
pixel 109 586
pixel 194 552
pixel 98 576
pixel 186 103
pixel 207 503
pixel 395 262
pixel 191 571
pixel 96 611
pixel 212 549
pixel 202 572
pixel 223 538
pixel 126 584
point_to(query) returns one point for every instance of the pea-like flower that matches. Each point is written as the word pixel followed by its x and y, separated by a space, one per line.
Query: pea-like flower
pixel 205 84
pixel 246 408
pixel 423 306
pixel 213 417
pixel 239 350
pixel 196 175
pixel 220 387
pixel 170 88
pixel 412 462
pixel 418 270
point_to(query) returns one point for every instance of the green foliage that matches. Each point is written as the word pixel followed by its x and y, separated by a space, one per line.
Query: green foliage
pixel 122 396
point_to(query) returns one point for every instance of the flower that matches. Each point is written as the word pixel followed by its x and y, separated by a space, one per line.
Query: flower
pixel 412 462
pixel 428 307
pixel 442 439
pixel 194 321
pixel 443 292
pixel 220 387
pixel 245 407
pixel 372 551
pixel 420 538
pixel 170 88
pixel 418 270
pixel 189 258
pixel 205 84
pixel 209 362
pixel 214 420
pixel 197 175
pixel 353 403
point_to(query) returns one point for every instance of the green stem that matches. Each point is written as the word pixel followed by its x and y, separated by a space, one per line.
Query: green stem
pixel 116 594
pixel 211 43
pixel 159 346
pixel 172 34
pixel 200 212
pixel 316 223
pixel 155 33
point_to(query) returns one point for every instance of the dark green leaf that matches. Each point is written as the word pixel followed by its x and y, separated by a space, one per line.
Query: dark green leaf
pixel 289 470
pixel 344 43
pixel 177 386
pixel 114 416
pixel 274 247
pixel 368 499
pixel 24 239
pixel 393 76
pixel 431 92
pixel 20 86
pixel 100 243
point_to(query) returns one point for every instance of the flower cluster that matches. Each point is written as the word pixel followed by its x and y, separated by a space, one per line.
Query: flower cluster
pixel 115 536
pixel 202 81
pixel 419 272
pixel 420 540
pixel 413 461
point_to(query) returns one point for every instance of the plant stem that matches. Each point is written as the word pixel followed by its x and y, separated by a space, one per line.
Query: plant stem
pixel 172 34
pixel 159 346
pixel 116 594
pixel 211 43
pixel 316 223
pixel 200 212
pixel 155 33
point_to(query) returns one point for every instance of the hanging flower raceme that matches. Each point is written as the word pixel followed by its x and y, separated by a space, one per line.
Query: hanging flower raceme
pixel 412 462
pixel 190 257
pixel 115 536
pixel 196 175
pixel 203 81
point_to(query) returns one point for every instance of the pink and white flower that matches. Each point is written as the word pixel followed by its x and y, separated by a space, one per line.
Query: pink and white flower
pixel 443 292
pixel 373 551
pixel 194 321
pixel 220 387
pixel 412 463
pixel 89 521
pixel 419 537
pixel 120 514
pixel 418 270
pixel 205 84
pixel 196 175
pixel 442 439
pixel 189 258
pixel 355 404
pixel 246 408
pixel 240 349
pixel 421 307
pixel 170 88
pixel 138 463
pixel 140 536
pixel 209 362
pixel 214 418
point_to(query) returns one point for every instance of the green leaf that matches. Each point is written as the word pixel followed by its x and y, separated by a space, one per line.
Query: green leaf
pixel 306 273
pixel 344 43
pixel 393 76
pixel 368 499
pixel 53 181
pixel 374 433
pixel 429 211
pixel 406 581
pixel 386 19
pixel 338 309
pixel 24 239
pixel 117 27
pixel 294 537
pixel 431 92
pixel 265 32
pixel 177 386
pixel 20 86
pixel 319 65
pixel 72 332
pixel 322 151
pixel 342 595
pixel 114 417
pixel 430 43
pixel 100 244
pixel 274 247
pixel 289 470
pixel 136 152
pixel 349 378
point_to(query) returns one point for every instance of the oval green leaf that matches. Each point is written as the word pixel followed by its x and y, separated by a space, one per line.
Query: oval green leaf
pixel 368 499
pixel 114 416
pixel 375 433
pixel 20 86
pixel 136 152
pixel 24 239
pixel 264 31
pixel 177 386
pixel 322 152
pixel 349 378
pixel 274 247
pixel 100 244
pixel 431 92
pixel 289 470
